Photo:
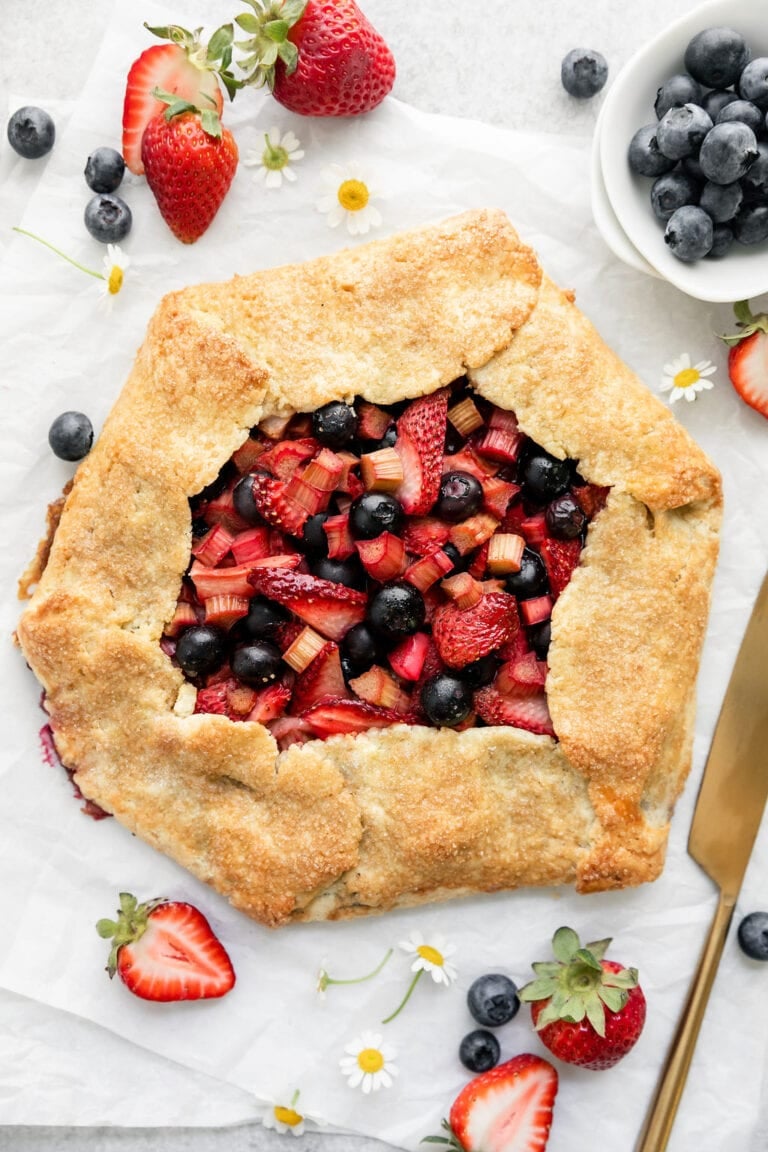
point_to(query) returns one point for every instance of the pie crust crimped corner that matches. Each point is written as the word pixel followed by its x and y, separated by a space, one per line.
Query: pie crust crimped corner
pixel 405 815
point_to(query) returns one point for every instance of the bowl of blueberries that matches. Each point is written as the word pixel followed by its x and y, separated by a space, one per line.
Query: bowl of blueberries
pixel 681 154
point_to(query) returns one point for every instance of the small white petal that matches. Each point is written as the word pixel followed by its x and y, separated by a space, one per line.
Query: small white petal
pixel 274 178
pixel 297 155
pixel 273 136
pixel 374 217
pixel 251 159
pixel 326 203
pixel 336 216
pixel 368 1083
pixel 290 141
pixel 290 175
pixel 357 1078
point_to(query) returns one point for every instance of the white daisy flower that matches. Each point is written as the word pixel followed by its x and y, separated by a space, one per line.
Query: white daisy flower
pixel 114 263
pixel 284 1118
pixel 370 1063
pixel 431 957
pixel 682 379
pixel 281 150
pixel 347 196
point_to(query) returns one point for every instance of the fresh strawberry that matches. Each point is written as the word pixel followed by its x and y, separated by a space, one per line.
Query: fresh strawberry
pixel 337 717
pixel 190 162
pixel 508 1109
pixel 318 57
pixel 748 357
pixel 520 711
pixel 186 69
pixel 323 679
pixel 587 1011
pixel 419 444
pixel 560 558
pixel 330 608
pixel 271 499
pixel 464 636
pixel 166 950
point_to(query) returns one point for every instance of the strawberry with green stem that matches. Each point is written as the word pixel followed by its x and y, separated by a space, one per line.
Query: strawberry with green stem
pixel 748 357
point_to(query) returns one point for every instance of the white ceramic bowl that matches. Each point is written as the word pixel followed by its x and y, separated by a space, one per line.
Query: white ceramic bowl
pixel 605 217
pixel 743 272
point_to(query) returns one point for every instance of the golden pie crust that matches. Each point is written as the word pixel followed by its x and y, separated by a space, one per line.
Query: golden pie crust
pixel 398 816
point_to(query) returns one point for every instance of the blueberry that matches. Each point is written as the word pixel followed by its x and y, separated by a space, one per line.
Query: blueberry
pixel 716 101
pixel 446 699
pixel 388 439
pixel 644 156
pixel 531 580
pixel 671 191
pixel 745 112
pixel 397 609
pixel 258 663
pixel 108 218
pixel 460 563
pixel 728 152
pixel 479 1051
pixel 335 424
pixel 539 637
pixel 492 1000
pixel 461 495
pixel 349 572
pixel 583 72
pixel 753 82
pixel 722 239
pixel 681 130
pixel 70 436
pixel 544 476
pixel 755 183
pixel 753 935
pixel 314 536
pixel 242 498
pixel 104 170
pixel 677 90
pixel 689 233
pixel 200 649
pixel 263 620
pixel 716 57
pixel 565 518
pixel 721 201
pixel 454 441
pixel 31 132
pixel 361 648
pixel 750 226
pixel 374 513
pixel 480 672
pixel 690 165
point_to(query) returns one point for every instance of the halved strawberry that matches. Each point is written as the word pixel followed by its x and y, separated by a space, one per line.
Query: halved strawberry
pixel 212 699
pixel 336 717
pixel 166 950
pixel 560 558
pixel 332 609
pixel 464 636
pixel 524 711
pixel 419 444
pixel 748 357
pixel 323 679
pixel 508 1109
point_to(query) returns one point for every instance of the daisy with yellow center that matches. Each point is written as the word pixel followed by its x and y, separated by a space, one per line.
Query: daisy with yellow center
pixel 284 1118
pixel 428 956
pixel 280 151
pixel 369 1063
pixel 683 379
pixel 114 264
pixel 347 197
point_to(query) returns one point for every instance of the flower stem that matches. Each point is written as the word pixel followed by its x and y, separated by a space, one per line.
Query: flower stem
pixel 58 251
pixel 405 998
pixel 325 979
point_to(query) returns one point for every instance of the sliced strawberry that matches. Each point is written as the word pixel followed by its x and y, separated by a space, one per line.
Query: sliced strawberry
pixel 336 717
pixel 560 558
pixel 464 636
pixel 408 657
pixel 285 457
pixel 420 440
pixel 497 494
pixel 273 503
pixel 213 699
pixel 270 703
pixel 591 498
pixel 166 950
pixel 165 66
pixel 748 357
pixel 425 535
pixel 323 679
pixel 288 730
pixel 332 609
pixel 508 1109
pixel 523 711
pixel 468 461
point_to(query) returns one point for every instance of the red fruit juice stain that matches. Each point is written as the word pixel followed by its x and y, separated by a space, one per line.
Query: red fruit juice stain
pixel 51 758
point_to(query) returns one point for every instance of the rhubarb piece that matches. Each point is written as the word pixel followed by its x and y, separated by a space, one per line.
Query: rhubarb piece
pixel 534 529
pixel 479 564
pixel 285 457
pixel 340 543
pixel 383 557
pixel 505 552
pixel 274 427
pixel 376 686
pixel 248 454
pixel 220 581
pixel 419 444
pixel 471 533
pixel 324 471
pixel 428 570
pixel 331 609
pixel 322 679
pixel 463 636
pixel 502 438
pixel 536 610
pixel 424 535
pixel 240 699
pixel 337 717
pixel 284 560
pixel 591 498
pixel 221 510
pixel 312 500
pixel 184 616
pixel 347 481
pixel 463 589
pixel 408 657
pixel 497 495
pixel 303 649
pixel 529 712
pixel 465 416
pixel 372 421
pixel 225 609
pixel 214 546
pixel 468 461
pixel 251 545
pixel 381 471
pixel 560 559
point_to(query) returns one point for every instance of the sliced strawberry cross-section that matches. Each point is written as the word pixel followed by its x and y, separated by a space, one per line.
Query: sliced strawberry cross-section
pixel 336 717
pixel 332 609
pixel 463 636
pixel 560 559
pixel 419 444
pixel 508 1109
pixel 525 711
pixel 323 679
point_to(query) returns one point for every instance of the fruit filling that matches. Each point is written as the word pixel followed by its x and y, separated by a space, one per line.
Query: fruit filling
pixel 362 566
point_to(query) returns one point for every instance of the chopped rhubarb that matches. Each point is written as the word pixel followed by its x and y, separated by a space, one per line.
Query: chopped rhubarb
pixel 523 674
pixel 220 581
pixel 499 445
pixel 465 416
pixel 497 494
pixel 463 589
pixel 253 544
pixel 407 659
pixel 312 500
pixel 383 557
pixel 221 510
pixel 340 543
pixel 240 699
pixel 300 426
pixel 425 572
pixel 303 649
pixel 372 422
pixel 376 686
pixel 479 564
pixel 505 552
pixel 381 471
pixel 184 616
pixel 274 427
pixel 347 481
pixel 536 610
pixel 471 533
pixel 285 560
pixel 248 454
pixel 535 530
pixel 324 471
pixel 224 609
pixel 590 498
pixel 469 461
pixel 214 546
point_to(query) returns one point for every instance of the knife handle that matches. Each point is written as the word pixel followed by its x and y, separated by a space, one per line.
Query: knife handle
pixel 661 1115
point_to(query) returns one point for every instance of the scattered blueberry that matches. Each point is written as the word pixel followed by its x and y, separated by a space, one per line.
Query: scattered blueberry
pixel 31 132
pixel 753 83
pixel 753 935
pixel 716 57
pixel 258 663
pixel 644 156
pixel 539 637
pixel 743 111
pixel 677 90
pixel 493 1000
pixel 544 476
pixel 689 233
pixel 671 191
pixel 263 620
pixel 728 152
pixel 565 518
pixel 681 130
pixel 108 218
pixel 335 424
pixel 722 240
pixel 200 649
pixel 446 699
pixel 104 170
pixel 361 647
pixel 721 201
pixel 750 226
pixel 70 436
pixel 479 1051
pixel 531 580
pixel 716 101
pixel 374 513
pixel 583 72
pixel 349 572
pixel 397 609
pixel 461 495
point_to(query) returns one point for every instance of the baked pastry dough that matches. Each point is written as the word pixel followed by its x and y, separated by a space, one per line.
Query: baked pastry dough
pixel 397 816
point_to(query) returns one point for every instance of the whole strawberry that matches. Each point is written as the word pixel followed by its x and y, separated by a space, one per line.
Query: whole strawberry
pixel 748 357
pixel 588 1011
pixel 317 57
pixel 190 162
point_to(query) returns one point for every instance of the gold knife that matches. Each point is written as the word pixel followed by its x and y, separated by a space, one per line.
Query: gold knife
pixel 728 812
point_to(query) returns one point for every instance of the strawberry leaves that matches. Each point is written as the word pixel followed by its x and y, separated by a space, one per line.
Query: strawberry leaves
pixel 269 26
pixel 747 323
pixel 216 56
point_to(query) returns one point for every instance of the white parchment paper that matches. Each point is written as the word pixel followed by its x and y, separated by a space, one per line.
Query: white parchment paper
pixel 61 871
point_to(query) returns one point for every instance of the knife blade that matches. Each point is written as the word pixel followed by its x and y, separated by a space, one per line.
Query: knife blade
pixel 728 812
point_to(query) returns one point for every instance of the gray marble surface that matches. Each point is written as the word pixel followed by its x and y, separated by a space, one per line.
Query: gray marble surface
pixel 498 62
